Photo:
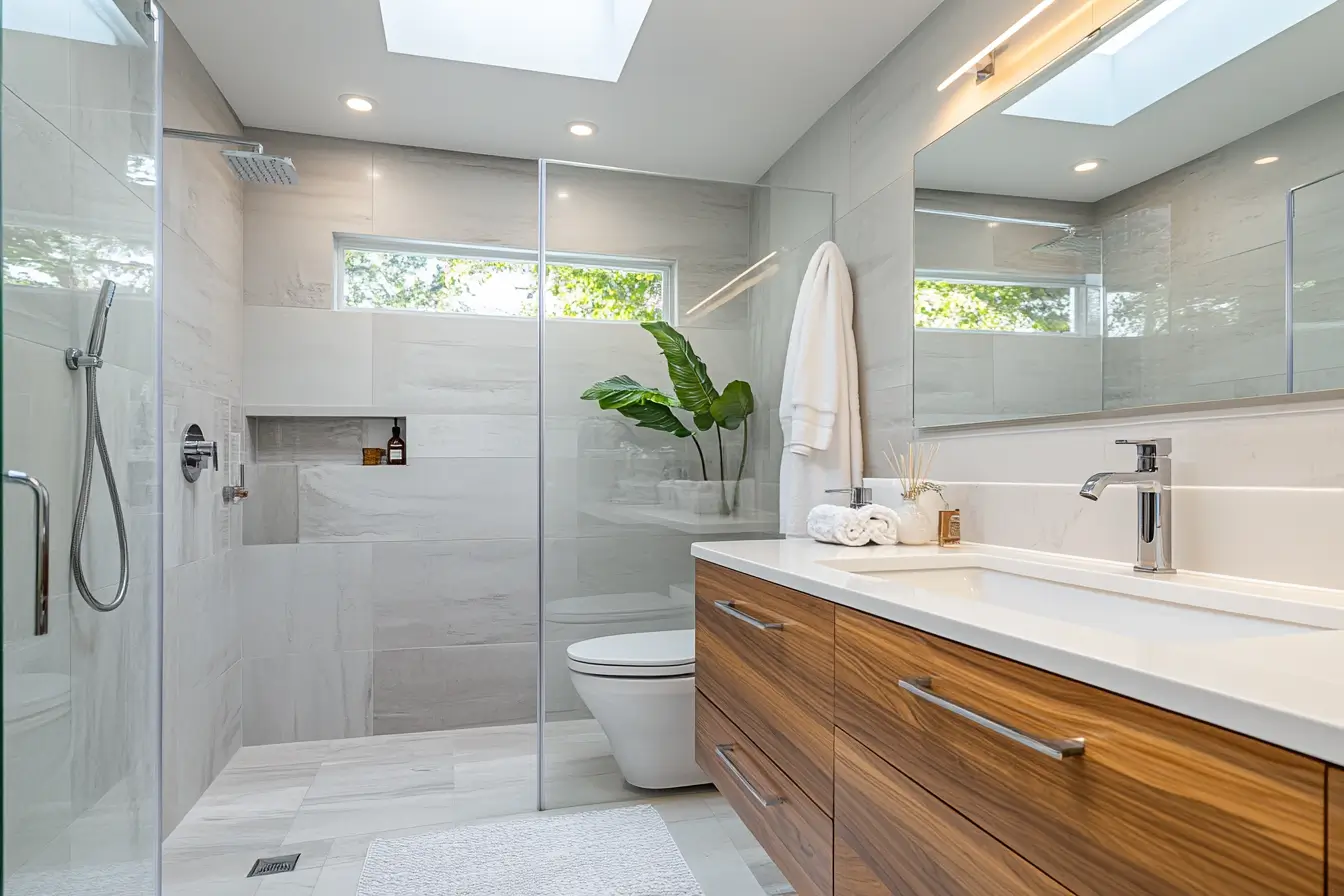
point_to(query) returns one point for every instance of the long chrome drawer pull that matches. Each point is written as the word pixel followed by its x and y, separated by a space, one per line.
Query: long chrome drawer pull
pixel 722 751
pixel 1062 748
pixel 42 551
pixel 728 607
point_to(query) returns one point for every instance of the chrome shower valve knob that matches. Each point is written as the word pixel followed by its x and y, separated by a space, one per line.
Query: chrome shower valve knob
pixel 196 452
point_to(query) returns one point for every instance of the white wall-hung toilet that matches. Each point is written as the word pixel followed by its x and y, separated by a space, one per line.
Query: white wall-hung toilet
pixel 641 689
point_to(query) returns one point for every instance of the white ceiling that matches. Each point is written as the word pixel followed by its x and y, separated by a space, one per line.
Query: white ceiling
pixel 713 88
pixel 1009 155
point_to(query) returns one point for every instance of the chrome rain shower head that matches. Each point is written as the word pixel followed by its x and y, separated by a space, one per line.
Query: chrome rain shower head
pixel 259 168
pixel 252 165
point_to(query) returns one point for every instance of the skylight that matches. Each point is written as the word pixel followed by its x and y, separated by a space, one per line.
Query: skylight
pixel 578 38
pixel 1174 44
pixel 90 21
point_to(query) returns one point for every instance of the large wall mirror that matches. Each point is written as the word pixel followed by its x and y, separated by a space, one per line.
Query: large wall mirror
pixel 1155 218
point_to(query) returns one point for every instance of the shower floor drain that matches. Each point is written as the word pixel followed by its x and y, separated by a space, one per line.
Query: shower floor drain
pixel 276 865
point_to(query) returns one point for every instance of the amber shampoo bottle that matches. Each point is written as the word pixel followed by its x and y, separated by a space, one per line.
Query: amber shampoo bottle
pixel 396 447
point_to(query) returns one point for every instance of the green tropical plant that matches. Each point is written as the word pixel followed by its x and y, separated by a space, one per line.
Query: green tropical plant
pixel 695 394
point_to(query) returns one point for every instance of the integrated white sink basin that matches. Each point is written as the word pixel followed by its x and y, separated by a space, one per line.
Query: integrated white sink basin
pixel 1109 611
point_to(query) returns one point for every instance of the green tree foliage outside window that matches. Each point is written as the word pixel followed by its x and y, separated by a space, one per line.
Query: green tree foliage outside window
pixel 418 282
pixel 990 306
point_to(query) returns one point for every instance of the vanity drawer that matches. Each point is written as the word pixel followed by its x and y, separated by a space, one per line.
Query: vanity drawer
pixel 791 828
pixel 775 682
pixel 893 837
pixel 1156 804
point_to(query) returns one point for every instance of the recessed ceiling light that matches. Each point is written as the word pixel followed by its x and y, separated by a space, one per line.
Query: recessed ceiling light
pixel 582 128
pixel 356 103
pixel 563 194
pixel 1084 167
pixel 993 223
pixel 1267 160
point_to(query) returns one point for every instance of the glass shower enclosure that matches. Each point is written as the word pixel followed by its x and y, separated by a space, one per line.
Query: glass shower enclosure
pixel 80 301
pixel 696 270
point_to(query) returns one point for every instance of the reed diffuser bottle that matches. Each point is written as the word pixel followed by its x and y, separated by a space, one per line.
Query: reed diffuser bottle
pixel 922 499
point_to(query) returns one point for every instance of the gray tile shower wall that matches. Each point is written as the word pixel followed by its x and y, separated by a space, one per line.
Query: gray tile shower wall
pixel 203 378
pixel 450 597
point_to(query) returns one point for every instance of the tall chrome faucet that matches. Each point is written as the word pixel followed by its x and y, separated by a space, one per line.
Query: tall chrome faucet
pixel 1153 480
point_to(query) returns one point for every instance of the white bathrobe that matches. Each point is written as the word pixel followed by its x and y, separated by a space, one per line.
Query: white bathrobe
pixel 819 405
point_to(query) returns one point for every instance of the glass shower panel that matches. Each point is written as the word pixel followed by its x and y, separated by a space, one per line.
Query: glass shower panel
pixel 647 273
pixel 80 211
pixel 1318 285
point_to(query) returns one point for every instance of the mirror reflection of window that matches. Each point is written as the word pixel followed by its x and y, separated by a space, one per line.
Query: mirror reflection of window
pixel 1119 221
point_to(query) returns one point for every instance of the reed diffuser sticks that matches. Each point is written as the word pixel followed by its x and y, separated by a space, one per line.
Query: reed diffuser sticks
pixel 912 467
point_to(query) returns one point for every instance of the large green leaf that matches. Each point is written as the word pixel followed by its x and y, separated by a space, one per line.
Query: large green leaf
pixel 656 416
pixel 623 391
pixel 690 377
pixel 734 405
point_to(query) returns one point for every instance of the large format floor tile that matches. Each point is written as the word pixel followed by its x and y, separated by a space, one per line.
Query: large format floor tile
pixel 328 800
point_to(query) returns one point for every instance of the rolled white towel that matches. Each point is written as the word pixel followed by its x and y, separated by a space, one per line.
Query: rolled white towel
pixel 837 525
pixel 881 523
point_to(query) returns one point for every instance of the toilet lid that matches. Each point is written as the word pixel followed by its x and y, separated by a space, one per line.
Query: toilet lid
pixel 670 653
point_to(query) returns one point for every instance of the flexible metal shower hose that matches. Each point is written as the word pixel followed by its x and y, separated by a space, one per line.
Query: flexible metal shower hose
pixel 93 432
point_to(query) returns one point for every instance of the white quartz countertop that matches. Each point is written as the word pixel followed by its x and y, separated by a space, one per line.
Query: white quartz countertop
pixel 1287 689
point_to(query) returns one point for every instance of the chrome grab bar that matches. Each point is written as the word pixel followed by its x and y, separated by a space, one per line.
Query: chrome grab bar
pixel 42 550
pixel 1063 748
pixel 722 751
pixel 727 606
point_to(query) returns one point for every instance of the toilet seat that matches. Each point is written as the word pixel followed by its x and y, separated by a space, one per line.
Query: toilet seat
pixel 640 655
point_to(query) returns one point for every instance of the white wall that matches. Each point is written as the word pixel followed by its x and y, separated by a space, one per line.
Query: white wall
pixel 1021 483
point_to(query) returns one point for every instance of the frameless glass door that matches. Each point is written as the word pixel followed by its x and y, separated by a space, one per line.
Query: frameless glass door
pixel 646 273
pixel 81 652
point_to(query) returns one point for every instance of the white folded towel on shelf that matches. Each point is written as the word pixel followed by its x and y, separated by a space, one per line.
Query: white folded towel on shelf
pixel 838 525
pixel 881 523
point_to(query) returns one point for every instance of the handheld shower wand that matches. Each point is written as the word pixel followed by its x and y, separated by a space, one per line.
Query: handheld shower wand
pixel 90 361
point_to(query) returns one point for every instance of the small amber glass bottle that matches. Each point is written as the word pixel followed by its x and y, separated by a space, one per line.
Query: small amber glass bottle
pixel 396 447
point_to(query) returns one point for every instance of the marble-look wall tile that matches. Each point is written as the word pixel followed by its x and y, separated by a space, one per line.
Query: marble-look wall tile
pixel 290 250
pixel 306 598
pixel 423 363
pixel 207 627
pixel 471 435
pixel 452 687
pixel 433 500
pixel 271 511
pixel 454 197
pixel 440 594
pixel 298 356
pixel 202 362
pixel 302 697
pixel 210 731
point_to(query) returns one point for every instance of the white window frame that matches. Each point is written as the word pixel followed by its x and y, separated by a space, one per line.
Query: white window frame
pixel 364 243
pixel 1077 287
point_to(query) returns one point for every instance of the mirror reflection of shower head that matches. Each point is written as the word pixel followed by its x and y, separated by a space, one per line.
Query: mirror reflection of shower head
pixel 251 165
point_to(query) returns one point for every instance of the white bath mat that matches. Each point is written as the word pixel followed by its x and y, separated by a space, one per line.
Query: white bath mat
pixel 610 852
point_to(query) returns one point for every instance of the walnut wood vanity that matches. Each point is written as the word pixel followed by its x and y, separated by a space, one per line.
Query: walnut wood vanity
pixel 870 758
